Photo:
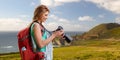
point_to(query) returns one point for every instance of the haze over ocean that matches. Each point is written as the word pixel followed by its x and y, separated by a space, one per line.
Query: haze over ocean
pixel 8 41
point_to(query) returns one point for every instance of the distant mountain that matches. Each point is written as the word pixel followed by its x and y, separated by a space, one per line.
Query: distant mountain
pixel 106 30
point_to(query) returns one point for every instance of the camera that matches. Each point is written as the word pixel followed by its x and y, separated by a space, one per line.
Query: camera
pixel 65 36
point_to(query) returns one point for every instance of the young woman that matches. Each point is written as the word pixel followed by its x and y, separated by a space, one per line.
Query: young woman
pixel 41 38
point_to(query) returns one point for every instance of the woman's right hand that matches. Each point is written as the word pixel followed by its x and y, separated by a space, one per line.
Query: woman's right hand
pixel 58 33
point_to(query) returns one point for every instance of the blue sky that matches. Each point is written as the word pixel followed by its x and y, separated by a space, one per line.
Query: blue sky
pixel 73 15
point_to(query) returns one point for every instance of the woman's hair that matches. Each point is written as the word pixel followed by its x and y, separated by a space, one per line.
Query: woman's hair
pixel 41 9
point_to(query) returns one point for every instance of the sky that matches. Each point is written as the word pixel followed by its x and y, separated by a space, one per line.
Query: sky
pixel 72 15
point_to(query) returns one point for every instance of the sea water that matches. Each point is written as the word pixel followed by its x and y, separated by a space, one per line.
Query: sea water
pixel 9 42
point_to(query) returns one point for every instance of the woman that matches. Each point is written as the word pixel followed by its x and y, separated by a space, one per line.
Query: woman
pixel 41 38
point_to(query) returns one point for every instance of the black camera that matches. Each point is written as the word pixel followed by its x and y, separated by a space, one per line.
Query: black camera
pixel 65 36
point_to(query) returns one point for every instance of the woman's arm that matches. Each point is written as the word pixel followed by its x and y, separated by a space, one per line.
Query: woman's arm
pixel 38 36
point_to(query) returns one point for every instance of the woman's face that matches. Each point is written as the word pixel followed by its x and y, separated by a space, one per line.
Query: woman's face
pixel 44 16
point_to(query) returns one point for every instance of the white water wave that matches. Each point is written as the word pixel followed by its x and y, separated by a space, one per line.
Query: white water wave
pixel 7 47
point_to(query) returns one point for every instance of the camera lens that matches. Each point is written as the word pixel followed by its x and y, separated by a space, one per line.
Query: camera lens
pixel 68 38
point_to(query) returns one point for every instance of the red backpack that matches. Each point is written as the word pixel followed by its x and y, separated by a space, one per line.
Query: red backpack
pixel 25 46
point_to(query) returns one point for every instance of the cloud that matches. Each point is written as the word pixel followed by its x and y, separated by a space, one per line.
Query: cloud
pixel 54 3
pixel 54 17
pixel 61 2
pixel 51 26
pixel 16 24
pixel 111 5
pixel 32 4
pixel 12 24
pixel 62 20
pixel 101 16
pixel 47 2
pixel 24 16
pixel 117 20
pixel 68 25
pixel 85 18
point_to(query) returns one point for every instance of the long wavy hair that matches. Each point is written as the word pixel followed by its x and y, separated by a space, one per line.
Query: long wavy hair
pixel 41 9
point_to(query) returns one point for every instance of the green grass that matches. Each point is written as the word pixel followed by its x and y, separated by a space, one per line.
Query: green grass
pixel 82 50
pixel 89 50
pixel 10 56
pixel 86 53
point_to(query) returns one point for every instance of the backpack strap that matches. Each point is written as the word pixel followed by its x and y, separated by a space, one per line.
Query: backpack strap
pixel 35 47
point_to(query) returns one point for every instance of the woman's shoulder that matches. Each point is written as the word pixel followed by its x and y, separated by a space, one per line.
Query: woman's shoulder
pixel 37 25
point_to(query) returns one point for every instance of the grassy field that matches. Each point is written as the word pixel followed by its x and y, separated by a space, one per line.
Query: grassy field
pixel 81 50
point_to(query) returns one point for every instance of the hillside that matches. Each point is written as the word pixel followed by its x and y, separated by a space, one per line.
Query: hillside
pixel 106 30
pixel 113 33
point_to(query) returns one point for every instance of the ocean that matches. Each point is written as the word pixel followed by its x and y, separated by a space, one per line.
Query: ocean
pixel 9 42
